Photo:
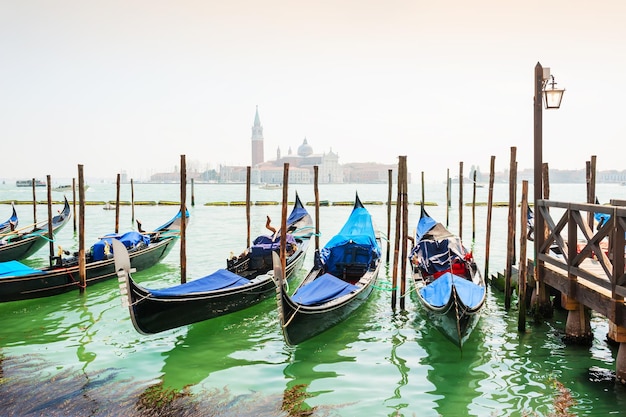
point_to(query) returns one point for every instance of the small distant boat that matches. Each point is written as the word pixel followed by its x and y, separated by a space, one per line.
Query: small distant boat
pixel 109 206
pixel 29 183
pixel 448 284
pixel 267 186
pixel 341 280
pixel 67 187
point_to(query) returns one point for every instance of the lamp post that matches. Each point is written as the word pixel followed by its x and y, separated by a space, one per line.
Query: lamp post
pixel 552 98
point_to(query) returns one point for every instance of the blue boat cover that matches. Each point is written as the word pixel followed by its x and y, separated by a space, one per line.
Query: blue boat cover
pixel 16 269
pixel 355 243
pixel 423 226
pixel 296 214
pixel 439 291
pixel 129 239
pixel 218 280
pixel 323 289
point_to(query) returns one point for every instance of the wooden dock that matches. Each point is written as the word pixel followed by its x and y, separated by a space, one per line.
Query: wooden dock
pixel 584 262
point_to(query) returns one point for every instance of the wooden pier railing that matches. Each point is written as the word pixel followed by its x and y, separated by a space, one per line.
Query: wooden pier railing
pixel 583 261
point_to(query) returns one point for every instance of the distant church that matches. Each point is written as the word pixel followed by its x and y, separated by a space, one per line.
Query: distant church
pixel 301 165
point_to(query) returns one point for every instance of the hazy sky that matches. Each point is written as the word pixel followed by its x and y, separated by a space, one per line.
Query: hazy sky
pixel 132 85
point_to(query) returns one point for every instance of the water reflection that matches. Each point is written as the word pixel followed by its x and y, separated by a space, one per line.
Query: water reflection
pixel 231 341
pixel 455 373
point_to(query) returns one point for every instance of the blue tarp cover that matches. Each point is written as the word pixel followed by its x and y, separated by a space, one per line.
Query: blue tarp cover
pixel 423 226
pixel 218 280
pixel 439 291
pixel 323 289
pixel 129 239
pixel 16 269
pixel 296 214
pixel 356 236
pixel 264 245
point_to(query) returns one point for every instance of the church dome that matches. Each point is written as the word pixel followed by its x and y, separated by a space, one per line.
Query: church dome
pixel 305 149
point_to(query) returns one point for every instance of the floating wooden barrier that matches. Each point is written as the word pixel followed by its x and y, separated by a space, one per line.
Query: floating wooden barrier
pixel 322 203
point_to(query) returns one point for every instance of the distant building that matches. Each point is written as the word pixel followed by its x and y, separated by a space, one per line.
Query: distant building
pixel 257 140
pixel 301 166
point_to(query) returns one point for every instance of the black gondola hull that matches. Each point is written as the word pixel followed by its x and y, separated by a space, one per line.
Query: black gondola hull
pixel 151 314
pixel 25 245
pixel 454 320
pixel 300 323
pixel 58 280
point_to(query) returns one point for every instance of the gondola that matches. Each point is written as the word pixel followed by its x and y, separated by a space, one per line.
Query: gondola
pixel 20 282
pixel 24 242
pixel 343 276
pixel 243 283
pixel 10 224
pixel 448 284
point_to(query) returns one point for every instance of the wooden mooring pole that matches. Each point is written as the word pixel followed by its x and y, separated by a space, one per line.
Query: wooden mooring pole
pixel 510 246
pixel 389 193
pixel 448 196
pixel 521 276
pixel 132 202
pixel 117 204
pixel 34 203
pixel 183 223
pixel 489 213
pixel 82 266
pixel 193 195
pixel 248 179
pixel 316 193
pixel 74 203
pixel 50 229
pixel 404 240
pixel 396 246
pixel 461 201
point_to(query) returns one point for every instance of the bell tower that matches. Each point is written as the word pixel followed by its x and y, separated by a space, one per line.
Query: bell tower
pixel 257 140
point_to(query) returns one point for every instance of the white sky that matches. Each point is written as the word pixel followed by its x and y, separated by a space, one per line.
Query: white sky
pixel 132 85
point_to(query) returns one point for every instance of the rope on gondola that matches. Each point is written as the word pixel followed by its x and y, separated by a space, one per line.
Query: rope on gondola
pixel 292 316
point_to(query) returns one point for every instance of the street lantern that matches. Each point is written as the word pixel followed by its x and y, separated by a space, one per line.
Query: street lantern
pixel 552 96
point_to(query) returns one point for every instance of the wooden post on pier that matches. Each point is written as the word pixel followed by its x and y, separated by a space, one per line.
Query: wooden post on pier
pixel 540 300
pixel 461 201
pixel 82 266
pixel 183 223
pixel 591 188
pixel 389 191
pixel 521 276
pixel 510 247
pixel 489 213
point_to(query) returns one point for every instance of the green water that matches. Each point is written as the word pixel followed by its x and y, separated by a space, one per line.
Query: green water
pixel 82 351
